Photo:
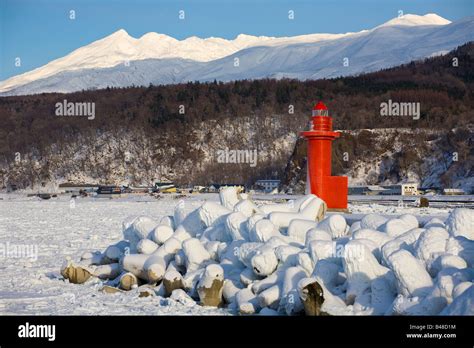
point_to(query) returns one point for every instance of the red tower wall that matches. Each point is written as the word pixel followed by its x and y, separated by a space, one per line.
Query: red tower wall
pixel 332 189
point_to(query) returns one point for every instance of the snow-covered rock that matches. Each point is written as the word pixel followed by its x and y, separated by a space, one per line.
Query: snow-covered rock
pixel 361 268
pixel 229 197
pixel 461 223
pixel 298 228
pixel 412 277
pixel 335 225
pixel 196 254
pixel 161 233
pixel 463 304
pixel 431 243
pixel 372 221
pixel 236 226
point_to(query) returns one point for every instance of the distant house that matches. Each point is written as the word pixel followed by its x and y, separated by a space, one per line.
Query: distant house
pixel 11 187
pixel 267 185
pixel 212 189
pixel 198 188
pixel 406 189
pixel 409 189
pixel 453 191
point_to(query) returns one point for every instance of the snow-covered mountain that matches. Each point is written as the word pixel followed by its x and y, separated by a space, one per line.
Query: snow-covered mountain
pixel 120 60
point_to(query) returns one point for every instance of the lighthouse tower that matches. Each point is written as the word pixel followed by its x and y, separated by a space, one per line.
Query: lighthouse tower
pixel 331 189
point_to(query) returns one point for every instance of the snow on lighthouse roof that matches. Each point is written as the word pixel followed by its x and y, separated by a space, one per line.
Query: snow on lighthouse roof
pixel 320 110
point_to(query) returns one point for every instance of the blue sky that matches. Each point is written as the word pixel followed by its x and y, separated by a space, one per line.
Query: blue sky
pixel 39 31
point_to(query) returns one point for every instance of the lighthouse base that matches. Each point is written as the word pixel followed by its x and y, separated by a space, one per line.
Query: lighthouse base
pixel 331 189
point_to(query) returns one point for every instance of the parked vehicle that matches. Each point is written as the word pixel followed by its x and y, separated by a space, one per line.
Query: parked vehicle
pixel 109 190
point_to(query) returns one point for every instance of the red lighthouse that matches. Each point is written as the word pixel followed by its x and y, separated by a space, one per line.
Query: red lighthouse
pixel 331 189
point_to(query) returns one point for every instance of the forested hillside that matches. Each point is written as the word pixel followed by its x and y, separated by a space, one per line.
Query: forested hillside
pixel 143 134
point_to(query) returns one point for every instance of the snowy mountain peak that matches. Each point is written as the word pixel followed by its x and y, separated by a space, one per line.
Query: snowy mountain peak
pixel 120 33
pixel 414 20
pixel 119 48
pixel 116 37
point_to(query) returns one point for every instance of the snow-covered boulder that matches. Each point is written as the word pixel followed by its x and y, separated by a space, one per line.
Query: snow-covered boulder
pixel 298 228
pixel 380 238
pixel 430 244
pixel 196 254
pixel 210 286
pixel 395 227
pixel 290 302
pixel 139 229
pixel 229 197
pixel 161 233
pixel 264 230
pixel 462 247
pixel 317 234
pixel 361 268
pixel 292 206
pixel 335 225
pixel 236 226
pixel 404 241
pixel 172 280
pixel 168 221
pixel 211 213
pixel 446 261
pixel 246 301
pixel 461 223
pixel 462 304
pixel 372 221
pixel 115 251
pixel 434 222
pixel 247 207
pixel 313 209
pixel 264 263
pixel 146 246
pixel 412 277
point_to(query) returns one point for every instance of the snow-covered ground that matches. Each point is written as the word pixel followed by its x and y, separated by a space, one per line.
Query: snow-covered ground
pixel 58 229
pixel 51 230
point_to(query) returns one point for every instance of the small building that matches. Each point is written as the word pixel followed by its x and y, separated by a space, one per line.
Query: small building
pixel 198 188
pixel 406 189
pixel 12 187
pixel 410 189
pixel 212 189
pixel 267 185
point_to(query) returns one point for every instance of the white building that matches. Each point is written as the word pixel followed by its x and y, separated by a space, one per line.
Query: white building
pixel 267 185
pixel 409 189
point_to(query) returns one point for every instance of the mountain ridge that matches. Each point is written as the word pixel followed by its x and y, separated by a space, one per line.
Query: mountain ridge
pixel 120 48
pixel 162 143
